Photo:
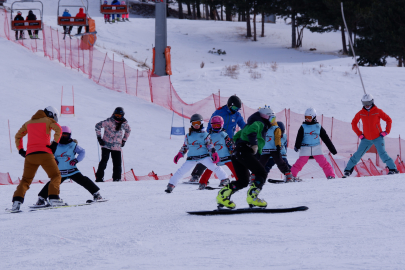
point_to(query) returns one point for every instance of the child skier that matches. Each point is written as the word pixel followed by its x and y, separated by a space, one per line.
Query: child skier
pixel 65 156
pixel 115 3
pixel 106 16
pixel 124 16
pixel 308 142
pixel 199 145
pixel 283 150
pixel 224 147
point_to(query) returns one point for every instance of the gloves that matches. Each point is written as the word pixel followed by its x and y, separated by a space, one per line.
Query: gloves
pixel 73 162
pixel 57 162
pixel 254 149
pixel 383 134
pixel 215 157
pixel 22 152
pixel 361 137
pixel 53 146
pixel 278 148
pixel 100 141
pixel 177 157
pixel 123 143
pixel 296 149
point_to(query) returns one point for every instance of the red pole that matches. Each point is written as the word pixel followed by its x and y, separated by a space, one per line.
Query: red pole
pixel 150 85
pixel 61 100
pixel 331 130
pixel 137 82
pixel 57 32
pixel 132 170
pixel 113 74
pixel 9 135
pixel 102 68
pixel 400 150
pixel 123 164
pixel 125 77
pixel 52 43
pixel 78 57
pixel 73 94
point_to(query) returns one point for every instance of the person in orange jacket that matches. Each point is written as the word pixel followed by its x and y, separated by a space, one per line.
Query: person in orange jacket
pixel 39 153
pixel 372 133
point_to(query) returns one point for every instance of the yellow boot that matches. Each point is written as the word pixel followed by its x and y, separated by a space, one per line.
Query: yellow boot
pixel 224 196
pixel 252 197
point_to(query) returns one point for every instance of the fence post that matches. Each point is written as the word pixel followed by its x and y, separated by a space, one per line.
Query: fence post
pixel 52 43
pixel 102 68
pixel 78 56
pixel 57 32
pixel 150 86
pixel 132 170
pixel 125 77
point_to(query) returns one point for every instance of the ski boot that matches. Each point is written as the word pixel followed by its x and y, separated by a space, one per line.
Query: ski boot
pixel 116 180
pixel 224 182
pixel 169 188
pixel 56 202
pixel 16 206
pixel 202 186
pixel 113 20
pixel 252 197
pixel 31 36
pixel 41 202
pixel 36 36
pixel 393 171
pixel 99 180
pixel 289 177
pixel 224 197
pixel 97 196
pixel 330 177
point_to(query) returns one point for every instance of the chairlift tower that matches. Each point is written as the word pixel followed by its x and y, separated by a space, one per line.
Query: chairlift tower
pixel 160 37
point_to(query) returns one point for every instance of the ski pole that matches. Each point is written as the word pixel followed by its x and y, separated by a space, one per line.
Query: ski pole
pixel 351 45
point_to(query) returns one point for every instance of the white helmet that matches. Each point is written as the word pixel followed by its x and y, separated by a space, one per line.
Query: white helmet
pixel 266 112
pixel 51 112
pixel 367 100
pixel 310 112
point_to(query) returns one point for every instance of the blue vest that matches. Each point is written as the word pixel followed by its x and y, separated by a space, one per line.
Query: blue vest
pixel 218 139
pixel 311 135
pixel 270 144
pixel 64 154
pixel 283 146
pixel 196 145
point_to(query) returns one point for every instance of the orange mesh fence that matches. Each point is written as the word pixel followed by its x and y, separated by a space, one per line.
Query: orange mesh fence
pixel 5 179
pixel 371 167
pixel 400 165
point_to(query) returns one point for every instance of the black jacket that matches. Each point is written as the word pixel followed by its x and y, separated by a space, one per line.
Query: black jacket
pixel 18 18
pixel 31 16
pixel 324 137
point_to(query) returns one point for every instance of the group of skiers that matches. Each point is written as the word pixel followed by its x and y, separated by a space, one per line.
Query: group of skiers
pixel 125 17
pixel 59 160
pixel 31 17
pixel 261 143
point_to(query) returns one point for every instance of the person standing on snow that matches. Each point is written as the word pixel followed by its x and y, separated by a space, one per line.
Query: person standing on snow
pixel 19 17
pixel 372 133
pixel 112 142
pixel 308 143
pixel 65 156
pixel 231 116
pixel 39 153
pixel 199 146
pixel 249 141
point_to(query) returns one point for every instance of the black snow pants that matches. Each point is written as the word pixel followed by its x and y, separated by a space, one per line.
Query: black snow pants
pixel 116 159
pixel 244 161
pixel 198 170
pixel 278 159
pixel 79 178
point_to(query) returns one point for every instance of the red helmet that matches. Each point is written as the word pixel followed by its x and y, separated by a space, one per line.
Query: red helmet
pixel 217 122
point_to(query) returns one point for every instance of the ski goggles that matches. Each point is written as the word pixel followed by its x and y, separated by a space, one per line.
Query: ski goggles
pixel 234 108
pixel 308 118
pixel 216 126
pixel 65 135
pixel 117 115
pixel 196 123
pixel 367 103
pixel 272 119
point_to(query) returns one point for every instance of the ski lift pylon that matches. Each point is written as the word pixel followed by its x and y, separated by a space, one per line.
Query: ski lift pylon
pixel 113 9
pixel 27 24
pixel 73 21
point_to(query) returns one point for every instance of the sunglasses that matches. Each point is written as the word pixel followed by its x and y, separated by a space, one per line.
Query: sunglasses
pixel 234 108
pixel 196 123
pixel 216 126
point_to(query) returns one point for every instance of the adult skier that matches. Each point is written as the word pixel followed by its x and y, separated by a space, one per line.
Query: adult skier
pixel 224 146
pixel 112 142
pixel 249 141
pixel 283 150
pixel 370 115
pixel 32 17
pixel 231 116
pixel 19 17
pixel 65 156
pixel 81 14
pixel 308 143
pixel 199 146
pixel 39 153
pixel 65 28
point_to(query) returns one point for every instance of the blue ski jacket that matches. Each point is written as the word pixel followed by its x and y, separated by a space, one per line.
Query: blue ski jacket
pixel 66 14
pixel 230 120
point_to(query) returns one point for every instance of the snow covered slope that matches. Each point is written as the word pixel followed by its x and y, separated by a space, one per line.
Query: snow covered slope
pixel 351 223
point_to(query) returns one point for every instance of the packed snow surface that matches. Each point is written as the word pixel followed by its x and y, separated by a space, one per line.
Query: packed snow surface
pixel 354 223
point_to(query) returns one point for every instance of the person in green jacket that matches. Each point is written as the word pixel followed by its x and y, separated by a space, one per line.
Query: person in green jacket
pixel 249 142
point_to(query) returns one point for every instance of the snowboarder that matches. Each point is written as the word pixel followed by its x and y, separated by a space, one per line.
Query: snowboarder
pixel 370 115
pixel 224 146
pixel 273 148
pixel 115 3
pixel 126 15
pixel 81 14
pixel 308 143
pixel 39 153
pixel 199 146
pixel 112 142
pixel 65 156
pixel 106 16
pixel 231 116
pixel 249 141
pixel 19 17
pixel 67 14
pixel 32 17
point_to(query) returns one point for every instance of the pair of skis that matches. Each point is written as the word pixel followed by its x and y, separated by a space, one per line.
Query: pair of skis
pixel 49 207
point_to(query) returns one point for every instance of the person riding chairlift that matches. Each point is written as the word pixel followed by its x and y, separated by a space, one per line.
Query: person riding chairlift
pixel 19 17
pixel 32 17
pixel 67 14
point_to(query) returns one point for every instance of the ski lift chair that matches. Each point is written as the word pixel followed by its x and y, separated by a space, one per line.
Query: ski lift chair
pixel 113 9
pixel 73 21
pixel 27 25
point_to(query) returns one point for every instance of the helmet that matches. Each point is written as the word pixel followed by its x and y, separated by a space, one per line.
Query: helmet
pixel 217 120
pixel 197 117
pixel 310 112
pixel 19 12
pixel 105 3
pixel 66 10
pixel 51 112
pixel 281 126
pixel 266 112
pixel 234 101
pixel 66 129
pixel 118 113
pixel 367 100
